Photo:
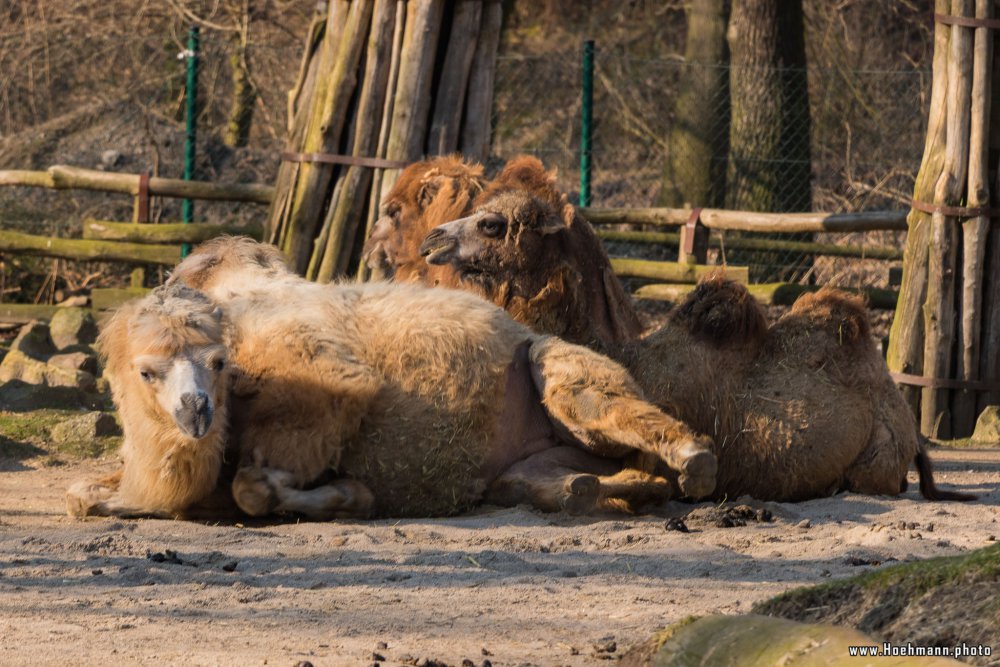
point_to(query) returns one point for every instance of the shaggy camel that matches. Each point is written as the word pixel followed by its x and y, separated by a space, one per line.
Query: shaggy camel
pixel 568 290
pixel 427 194
pixel 421 401
pixel 801 410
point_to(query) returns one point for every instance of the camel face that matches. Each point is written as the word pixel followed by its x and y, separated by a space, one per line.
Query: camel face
pixel 426 194
pixel 170 354
pixel 504 237
pixel 183 385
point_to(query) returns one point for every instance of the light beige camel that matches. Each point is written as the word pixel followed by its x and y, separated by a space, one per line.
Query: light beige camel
pixel 800 410
pixel 414 401
pixel 167 362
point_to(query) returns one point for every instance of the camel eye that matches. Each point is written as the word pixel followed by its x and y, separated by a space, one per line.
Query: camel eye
pixel 492 227
pixel 218 365
pixel 147 375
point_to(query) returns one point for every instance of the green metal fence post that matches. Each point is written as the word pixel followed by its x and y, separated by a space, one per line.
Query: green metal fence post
pixel 586 126
pixel 191 129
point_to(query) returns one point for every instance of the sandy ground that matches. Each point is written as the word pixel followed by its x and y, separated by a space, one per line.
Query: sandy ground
pixel 507 586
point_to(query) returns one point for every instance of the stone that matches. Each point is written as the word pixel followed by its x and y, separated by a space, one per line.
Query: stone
pixel 85 428
pixel 34 341
pixel 110 158
pixel 75 361
pixel 987 430
pixel 18 396
pixel 19 366
pixel 72 326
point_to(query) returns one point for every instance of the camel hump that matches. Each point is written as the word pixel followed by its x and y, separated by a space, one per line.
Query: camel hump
pixel 844 315
pixel 722 312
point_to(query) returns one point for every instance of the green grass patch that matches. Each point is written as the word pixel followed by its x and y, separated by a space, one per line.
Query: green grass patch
pixel 26 435
pixel 910 579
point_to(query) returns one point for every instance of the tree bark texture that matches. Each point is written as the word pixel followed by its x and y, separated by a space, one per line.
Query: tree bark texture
pixel 387 79
pixel 696 164
pixel 949 307
pixel 769 152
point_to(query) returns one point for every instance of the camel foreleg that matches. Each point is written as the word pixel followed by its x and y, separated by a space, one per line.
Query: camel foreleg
pixel 263 491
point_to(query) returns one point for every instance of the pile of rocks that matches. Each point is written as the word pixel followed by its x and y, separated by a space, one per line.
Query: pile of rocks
pixel 58 354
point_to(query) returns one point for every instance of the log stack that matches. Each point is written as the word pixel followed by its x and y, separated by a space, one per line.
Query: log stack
pixel 944 347
pixel 395 80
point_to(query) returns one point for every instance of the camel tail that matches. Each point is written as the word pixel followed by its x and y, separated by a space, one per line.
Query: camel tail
pixel 928 489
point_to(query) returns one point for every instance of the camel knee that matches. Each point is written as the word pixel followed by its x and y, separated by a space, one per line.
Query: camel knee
pixel 255 489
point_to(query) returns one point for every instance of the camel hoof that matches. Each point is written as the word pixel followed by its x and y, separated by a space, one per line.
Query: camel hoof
pixel 582 493
pixel 697 471
pixel 86 499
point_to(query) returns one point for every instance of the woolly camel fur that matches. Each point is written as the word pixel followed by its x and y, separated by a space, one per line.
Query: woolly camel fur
pixel 419 401
pixel 802 409
pixel 426 194
pixel 799 410
pixel 568 289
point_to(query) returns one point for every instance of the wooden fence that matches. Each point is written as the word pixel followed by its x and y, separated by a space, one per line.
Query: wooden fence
pixel 159 244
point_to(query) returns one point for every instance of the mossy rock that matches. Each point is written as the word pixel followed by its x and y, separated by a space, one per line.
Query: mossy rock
pixel 987 430
pixel 33 340
pixel 88 426
pixel 935 602
pixel 19 366
pixel 760 641
pixel 72 326
pixel 29 434
pixel 19 396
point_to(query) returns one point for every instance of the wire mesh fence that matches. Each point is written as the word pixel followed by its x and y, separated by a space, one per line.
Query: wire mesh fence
pixel 859 147
pixel 112 97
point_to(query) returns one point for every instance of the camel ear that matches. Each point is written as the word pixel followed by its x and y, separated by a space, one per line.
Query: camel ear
pixel 430 185
pixel 551 224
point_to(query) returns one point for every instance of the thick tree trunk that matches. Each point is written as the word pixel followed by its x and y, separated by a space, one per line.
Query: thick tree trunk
pixel 696 164
pixel 769 153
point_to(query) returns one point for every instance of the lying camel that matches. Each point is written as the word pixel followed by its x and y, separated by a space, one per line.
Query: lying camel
pixel 415 401
pixel 800 410
pixel 569 290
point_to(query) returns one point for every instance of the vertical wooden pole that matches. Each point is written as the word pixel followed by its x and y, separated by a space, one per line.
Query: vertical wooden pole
pixel 975 230
pixel 939 308
pixel 906 338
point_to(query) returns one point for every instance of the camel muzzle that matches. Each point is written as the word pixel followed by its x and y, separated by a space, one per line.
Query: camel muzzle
pixel 437 247
pixel 194 416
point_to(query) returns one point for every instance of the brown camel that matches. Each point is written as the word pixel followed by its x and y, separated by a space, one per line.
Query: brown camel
pixel 801 410
pixel 415 401
pixel 427 194
pixel 569 290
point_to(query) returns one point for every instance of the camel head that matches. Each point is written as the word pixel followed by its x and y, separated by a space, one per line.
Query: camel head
pixel 166 353
pixel 506 238
pixel 425 195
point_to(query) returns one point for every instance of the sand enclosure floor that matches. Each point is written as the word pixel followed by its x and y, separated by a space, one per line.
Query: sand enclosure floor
pixel 508 586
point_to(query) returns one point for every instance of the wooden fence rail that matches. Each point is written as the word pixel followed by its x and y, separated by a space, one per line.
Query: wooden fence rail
pixel 61 177
pixel 747 221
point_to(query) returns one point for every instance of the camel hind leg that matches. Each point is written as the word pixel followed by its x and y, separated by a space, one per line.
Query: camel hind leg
pixel 570 479
pixel 598 403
